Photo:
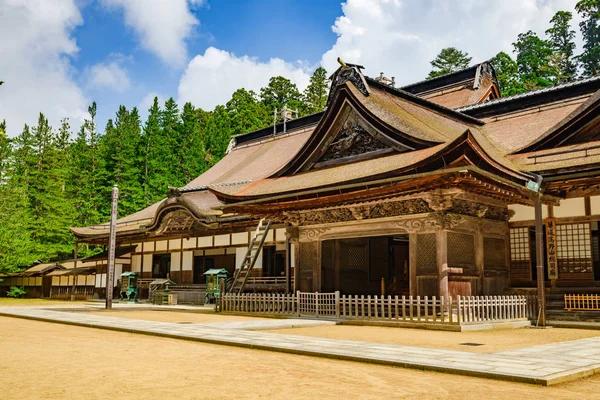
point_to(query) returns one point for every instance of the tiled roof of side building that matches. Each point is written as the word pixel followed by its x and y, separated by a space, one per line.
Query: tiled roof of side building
pixel 533 98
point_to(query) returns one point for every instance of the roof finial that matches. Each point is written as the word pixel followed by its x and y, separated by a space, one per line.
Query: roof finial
pixel 342 63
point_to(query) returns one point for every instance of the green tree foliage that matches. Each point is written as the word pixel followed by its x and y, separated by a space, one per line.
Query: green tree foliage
pixel 507 73
pixel 532 60
pixel 589 10
pixel 562 39
pixel 246 113
pixel 449 60
pixel 315 94
pixel 281 92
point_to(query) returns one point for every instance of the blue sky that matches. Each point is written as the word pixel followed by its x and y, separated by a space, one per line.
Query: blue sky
pixel 57 56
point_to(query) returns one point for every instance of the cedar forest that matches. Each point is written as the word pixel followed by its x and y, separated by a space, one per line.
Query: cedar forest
pixel 52 179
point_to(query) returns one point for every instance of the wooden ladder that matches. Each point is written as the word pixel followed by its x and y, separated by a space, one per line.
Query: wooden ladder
pixel 242 274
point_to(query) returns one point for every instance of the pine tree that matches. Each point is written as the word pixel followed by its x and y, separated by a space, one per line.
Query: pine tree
pixel 246 113
pixel 192 148
pixel 119 152
pixel 315 94
pixel 217 135
pixel 280 92
pixel 533 61
pixel 589 10
pixel 562 39
pixel 449 60
pixel 507 73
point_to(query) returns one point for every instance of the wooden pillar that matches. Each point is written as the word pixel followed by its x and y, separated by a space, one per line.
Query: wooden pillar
pixel 442 261
pixel 539 247
pixel 479 260
pixel 317 268
pixel 288 265
pixel 337 264
pixel 412 264
pixel 75 270
pixel 110 273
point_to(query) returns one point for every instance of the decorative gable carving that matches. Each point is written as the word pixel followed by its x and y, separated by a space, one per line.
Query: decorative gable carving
pixel 353 140
pixel 348 73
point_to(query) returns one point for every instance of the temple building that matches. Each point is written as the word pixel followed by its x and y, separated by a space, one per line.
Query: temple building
pixel 428 189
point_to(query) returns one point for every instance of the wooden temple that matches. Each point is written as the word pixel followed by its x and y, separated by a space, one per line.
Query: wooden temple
pixel 427 189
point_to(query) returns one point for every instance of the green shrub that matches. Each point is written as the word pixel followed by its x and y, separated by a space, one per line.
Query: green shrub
pixel 16 291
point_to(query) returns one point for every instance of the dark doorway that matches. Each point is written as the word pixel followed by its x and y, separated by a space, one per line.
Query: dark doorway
pixel 273 262
pixel 201 265
pixel 596 250
pixel 161 265
pixel 366 265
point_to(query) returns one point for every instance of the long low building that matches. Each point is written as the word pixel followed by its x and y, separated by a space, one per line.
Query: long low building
pixel 429 189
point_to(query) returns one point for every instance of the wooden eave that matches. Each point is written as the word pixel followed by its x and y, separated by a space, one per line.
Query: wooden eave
pixel 470 179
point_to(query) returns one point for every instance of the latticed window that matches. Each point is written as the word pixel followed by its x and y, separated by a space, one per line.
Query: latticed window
pixel 574 248
pixel 461 251
pixel 520 260
pixel 494 254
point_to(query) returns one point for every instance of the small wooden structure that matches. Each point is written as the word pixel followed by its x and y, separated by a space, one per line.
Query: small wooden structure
pixel 216 280
pixel 160 292
pixel 129 286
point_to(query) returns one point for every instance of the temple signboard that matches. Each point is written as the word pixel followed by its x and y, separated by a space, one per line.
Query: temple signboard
pixel 551 248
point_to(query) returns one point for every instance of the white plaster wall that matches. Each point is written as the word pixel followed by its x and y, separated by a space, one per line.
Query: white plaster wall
pixel 205 241
pixel 136 263
pixel 189 243
pixel 240 253
pixel 239 238
pixel 175 261
pixel 160 245
pixel 595 205
pixel 526 213
pixel 188 260
pixel 222 240
pixel 280 235
pixel 147 263
pixel 174 244
pixel 148 246
pixel 570 208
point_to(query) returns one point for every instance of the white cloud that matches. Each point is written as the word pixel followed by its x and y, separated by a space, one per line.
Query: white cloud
pixel 35 46
pixel 210 79
pixel 161 26
pixel 401 37
pixel 109 75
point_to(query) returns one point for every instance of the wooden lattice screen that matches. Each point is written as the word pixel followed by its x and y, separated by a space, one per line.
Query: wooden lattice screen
pixel 494 254
pixel 520 259
pixel 461 251
pixel 426 254
pixel 308 258
pixel 574 251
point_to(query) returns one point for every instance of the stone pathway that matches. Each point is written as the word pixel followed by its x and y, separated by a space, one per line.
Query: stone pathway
pixel 546 365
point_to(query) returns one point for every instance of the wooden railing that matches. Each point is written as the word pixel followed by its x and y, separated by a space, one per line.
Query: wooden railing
pixel 589 302
pixel 458 310
pixel 267 280
pixel 64 292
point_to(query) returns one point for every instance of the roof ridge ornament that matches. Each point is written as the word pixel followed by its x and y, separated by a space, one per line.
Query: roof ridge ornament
pixel 348 73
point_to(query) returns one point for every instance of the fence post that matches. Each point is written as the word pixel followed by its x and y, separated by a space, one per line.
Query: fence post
pixel 458 310
pixel 337 304
pixel 298 302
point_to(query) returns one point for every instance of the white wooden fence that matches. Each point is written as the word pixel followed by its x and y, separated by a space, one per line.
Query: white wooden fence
pixel 435 310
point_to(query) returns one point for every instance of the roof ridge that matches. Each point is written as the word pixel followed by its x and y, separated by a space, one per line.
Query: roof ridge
pixel 529 93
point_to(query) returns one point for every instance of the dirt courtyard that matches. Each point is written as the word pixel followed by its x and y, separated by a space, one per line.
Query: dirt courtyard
pixel 52 361
pixel 174 316
pixel 489 341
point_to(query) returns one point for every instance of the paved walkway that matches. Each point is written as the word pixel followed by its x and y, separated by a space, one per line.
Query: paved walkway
pixel 545 365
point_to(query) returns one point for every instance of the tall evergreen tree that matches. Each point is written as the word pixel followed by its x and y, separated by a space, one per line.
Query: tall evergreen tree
pixel 449 60
pixel 315 94
pixel 507 73
pixel 589 10
pixel 246 113
pixel 280 92
pixel 192 150
pixel 533 60
pixel 562 39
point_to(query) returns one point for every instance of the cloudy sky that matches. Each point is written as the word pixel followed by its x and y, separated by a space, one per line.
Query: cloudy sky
pixel 57 56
